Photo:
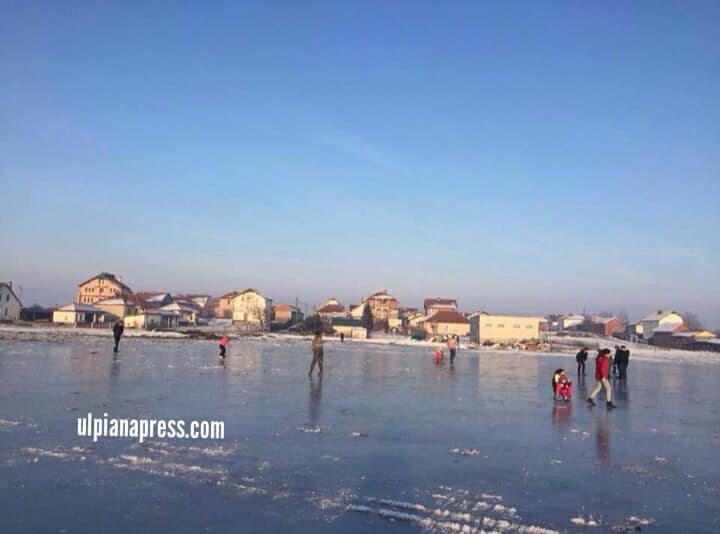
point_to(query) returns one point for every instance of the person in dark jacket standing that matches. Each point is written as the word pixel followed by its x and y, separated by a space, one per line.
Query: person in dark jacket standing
pixel 118 330
pixel 581 357
pixel 317 349
pixel 623 362
pixel 602 373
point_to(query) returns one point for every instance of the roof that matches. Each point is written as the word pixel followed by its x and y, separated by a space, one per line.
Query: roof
pixel 113 301
pixel 179 306
pixel 382 293
pixel 5 284
pixel 572 316
pixel 660 314
pixel 430 301
pixel 230 295
pixel 77 307
pixel 447 316
pixel 285 307
pixel 106 276
pixel 347 321
pixel 331 308
pixel 251 290
pixel 668 327
pixel 603 320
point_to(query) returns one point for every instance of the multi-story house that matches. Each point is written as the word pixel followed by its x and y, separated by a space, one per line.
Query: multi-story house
pixel 654 320
pixel 384 307
pixel 101 287
pixel 433 304
pixel 10 304
pixel 252 309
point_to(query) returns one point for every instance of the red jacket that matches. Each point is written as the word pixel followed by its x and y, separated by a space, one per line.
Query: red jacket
pixel 602 367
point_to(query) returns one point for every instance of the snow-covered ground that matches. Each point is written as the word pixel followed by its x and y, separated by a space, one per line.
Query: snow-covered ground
pixel 385 442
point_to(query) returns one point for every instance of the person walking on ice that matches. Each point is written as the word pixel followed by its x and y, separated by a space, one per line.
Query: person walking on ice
pixel 452 345
pixel 118 330
pixel 317 350
pixel 581 357
pixel 602 374
pixel 223 345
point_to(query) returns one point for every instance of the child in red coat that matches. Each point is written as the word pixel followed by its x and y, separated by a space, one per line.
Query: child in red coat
pixel 223 343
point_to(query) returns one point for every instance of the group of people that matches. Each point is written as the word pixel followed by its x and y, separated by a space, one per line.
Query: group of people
pixel 561 384
pixel 605 365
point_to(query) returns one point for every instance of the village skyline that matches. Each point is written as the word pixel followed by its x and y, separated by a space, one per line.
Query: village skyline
pixel 352 297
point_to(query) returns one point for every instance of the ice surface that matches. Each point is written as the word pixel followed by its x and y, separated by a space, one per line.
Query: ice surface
pixel 384 441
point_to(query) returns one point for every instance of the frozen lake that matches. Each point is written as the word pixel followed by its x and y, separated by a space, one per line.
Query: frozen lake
pixel 387 441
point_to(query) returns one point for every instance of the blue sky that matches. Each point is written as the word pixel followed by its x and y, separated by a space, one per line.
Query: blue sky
pixel 528 157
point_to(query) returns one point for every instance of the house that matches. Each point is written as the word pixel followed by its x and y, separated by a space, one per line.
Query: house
pixel 78 314
pixel 287 314
pixel 358 311
pixel 603 326
pixel 117 306
pixel 252 309
pixel 186 313
pixel 151 319
pixel 652 321
pixel 446 322
pixel 100 287
pixel 571 321
pixel 222 306
pixel 10 305
pixel 686 340
pixel 383 307
pixel 710 345
pixel 152 299
pixel 662 335
pixel 349 327
pixel 330 309
pixel 415 320
pixel 433 304
pixel 486 327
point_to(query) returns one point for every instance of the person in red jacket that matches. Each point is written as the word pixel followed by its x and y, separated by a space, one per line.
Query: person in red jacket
pixel 602 374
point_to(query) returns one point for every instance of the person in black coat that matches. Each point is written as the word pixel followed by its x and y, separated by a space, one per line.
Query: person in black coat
pixel 623 362
pixel 118 330
pixel 581 357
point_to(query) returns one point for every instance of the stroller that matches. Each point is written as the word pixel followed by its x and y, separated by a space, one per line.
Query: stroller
pixel 561 386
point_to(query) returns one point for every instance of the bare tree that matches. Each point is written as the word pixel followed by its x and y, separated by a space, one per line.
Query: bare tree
pixel 258 313
pixel 693 321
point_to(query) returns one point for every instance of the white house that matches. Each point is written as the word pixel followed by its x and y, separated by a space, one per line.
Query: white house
pixel 652 321
pixel 251 308
pixel 186 313
pixel 82 314
pixel 571 320
pixel 10 305
pixel 151 319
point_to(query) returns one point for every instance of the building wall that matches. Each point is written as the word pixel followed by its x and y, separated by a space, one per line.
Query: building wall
pixel 9 305
pixel 118 310
pixel 224 308
pixel 247 307
pixel 356 332
pixel 457 329
pixel 65 317
pixel 98 289
pixel 503 328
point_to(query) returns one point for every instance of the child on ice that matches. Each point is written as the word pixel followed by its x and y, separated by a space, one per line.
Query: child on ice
pixel 561 385
pixel 438 355
pixel 223 343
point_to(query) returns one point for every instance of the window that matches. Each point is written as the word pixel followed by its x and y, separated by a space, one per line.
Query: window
pixel 528 326
pixel 516 326
pixel 501 326
pixel 488 325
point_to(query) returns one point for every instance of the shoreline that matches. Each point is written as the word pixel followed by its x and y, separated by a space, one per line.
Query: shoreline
pixel 61 334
